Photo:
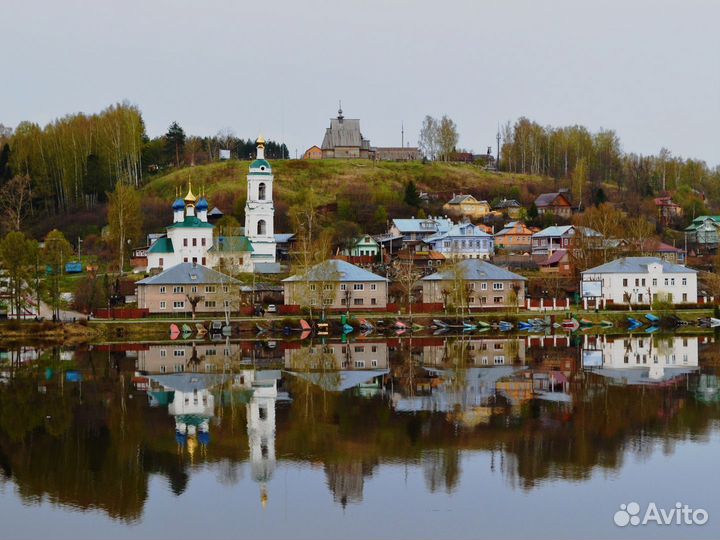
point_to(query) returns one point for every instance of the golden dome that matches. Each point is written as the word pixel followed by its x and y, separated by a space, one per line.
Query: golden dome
pixel 190 198
pixel 260 141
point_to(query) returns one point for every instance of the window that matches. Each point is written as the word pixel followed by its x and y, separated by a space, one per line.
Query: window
pixel 179 305
pixel 373 301
pixel 226 303
pixel 643 282
pixel 654 282
pixel 328 287
pixel 193 289
pixel 373 363
pixel 343 287
pixel 327 301
pixel 194 260
pixel 162 262
pixel 483 286
pixel 374 348
pixel 497 299
pixel 499 360
pixel 312 286
pixel 672 281
pixel 498 286
pixel 359 363
pixel 357 301
pixel 684 297
pixel 483 300
pixel 359 348
pixel 209 303
pixel 667 282
pixel 194 240
pixel 211 352
pixel 162 289
pixel 185 259
pixel 625 282
pixel 373 287
pixel 163 304
pixel 185 243
pixel 637 282
pixel 202 242
pixel 209 288
pixel 261 227
pixel 226 288
pixel 163 353
pixel 684 281
pixel 358 287
pixel 261 191
pixel 204 262
pixel 178 289
pixel 178 353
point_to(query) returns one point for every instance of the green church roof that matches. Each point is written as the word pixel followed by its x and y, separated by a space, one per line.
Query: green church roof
pixel 259 163
pixel 162 245
pixel 192 222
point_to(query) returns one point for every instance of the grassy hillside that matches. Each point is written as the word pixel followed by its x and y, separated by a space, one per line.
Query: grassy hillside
pixel 385 180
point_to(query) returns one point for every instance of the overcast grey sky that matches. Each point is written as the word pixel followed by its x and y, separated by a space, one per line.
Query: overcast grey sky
pixel 649 69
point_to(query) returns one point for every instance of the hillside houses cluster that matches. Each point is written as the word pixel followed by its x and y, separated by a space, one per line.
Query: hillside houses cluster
pixel 454 258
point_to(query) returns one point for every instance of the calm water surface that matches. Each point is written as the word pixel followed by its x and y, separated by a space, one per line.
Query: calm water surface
pixel 431 437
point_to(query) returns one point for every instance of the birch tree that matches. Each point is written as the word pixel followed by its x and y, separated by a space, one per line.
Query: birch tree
pixel 124 219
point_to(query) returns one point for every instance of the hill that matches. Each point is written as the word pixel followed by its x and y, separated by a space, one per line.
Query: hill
pixel 380 183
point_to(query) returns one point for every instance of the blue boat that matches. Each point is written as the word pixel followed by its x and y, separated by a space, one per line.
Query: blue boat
pixel 652 329
pixel 524 326
pixel 652 318
pixel 347 328
pixel 634 323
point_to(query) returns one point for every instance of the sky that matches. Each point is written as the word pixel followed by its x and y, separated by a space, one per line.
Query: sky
pixel 649 69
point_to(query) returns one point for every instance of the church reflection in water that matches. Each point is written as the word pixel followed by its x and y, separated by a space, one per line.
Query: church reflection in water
pixel 541 407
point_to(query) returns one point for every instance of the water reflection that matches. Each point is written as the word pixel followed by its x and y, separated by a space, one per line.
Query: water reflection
pixel 543 408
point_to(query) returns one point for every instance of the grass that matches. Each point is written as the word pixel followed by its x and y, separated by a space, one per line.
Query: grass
pixel 328 177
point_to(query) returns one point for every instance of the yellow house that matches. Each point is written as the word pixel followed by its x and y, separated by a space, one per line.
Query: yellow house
pixel 467 205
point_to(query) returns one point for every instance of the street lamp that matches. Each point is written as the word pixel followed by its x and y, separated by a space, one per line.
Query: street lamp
pixel 348 294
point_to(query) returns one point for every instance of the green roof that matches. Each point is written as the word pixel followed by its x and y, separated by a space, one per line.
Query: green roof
pixel 258 163
pixel 700 220
pixel 192 221
pixel 162 245
pixel 231 244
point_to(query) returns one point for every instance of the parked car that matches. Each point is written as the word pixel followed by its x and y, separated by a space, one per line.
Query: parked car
pixel 272 308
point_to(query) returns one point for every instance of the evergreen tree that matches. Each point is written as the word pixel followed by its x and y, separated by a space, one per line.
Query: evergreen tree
pixel 174 144
pixel 412 196
pixel 532 212
pixel 5 170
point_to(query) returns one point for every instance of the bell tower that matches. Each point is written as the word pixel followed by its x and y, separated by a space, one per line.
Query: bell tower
pixel 259 208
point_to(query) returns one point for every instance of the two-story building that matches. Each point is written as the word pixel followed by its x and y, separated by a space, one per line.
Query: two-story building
pixel 553 238
pixel 363 246
pixel 515 236
pixel 487 286
pixel 639 280
pixel 557 203
pixel 704 231
pixel 464 241
pixel 468 206
pixel 174 290
pixel 415 230
pixel 509 207
pixel 337 284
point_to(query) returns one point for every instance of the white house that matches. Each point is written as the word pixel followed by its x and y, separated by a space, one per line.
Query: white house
pixel 464 241
pixel 639 280
pixel 416 229
pixel 551 239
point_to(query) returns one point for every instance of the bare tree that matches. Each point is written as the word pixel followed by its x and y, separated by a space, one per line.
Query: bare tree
pixel 406 275
pixel 193 300
pixel 15 201
pixel 447 137
pixel 428 140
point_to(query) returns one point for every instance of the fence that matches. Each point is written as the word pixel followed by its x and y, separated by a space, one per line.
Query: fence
pixel 547 304
pixel 121 313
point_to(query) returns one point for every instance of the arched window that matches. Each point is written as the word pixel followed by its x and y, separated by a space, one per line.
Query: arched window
pixel 261 191
pixel 261 227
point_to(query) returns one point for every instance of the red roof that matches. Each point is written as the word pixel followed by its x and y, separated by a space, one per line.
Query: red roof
pixel 554 258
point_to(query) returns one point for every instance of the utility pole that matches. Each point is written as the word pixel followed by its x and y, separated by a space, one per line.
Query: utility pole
pixel 497 157
pixel 402 135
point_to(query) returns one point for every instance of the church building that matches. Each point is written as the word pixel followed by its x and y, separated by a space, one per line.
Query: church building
pixel 191 238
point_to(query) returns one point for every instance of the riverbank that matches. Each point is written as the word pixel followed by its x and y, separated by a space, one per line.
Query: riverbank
pixel 153 328
pixel 47 332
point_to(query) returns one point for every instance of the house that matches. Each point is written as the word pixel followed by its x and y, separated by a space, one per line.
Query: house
pixel 363 246
pixel 639 280
pixel 283 244
pixel 174 290
pixel 231 254
pixel 313 152
pixel 336 284
pixel 557 203
pixel 343 140
pixel 515 236
pixel 467 205
pixel 556 263
pixel 667 210
pixel 655 248
pixel 510 207
pixel 464 241
pixel 556 237
pixel 704 231
pixel 487 286
pixel 415 230
pixel 425 261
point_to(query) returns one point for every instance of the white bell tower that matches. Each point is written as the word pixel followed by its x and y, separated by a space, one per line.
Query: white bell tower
pixel 259 209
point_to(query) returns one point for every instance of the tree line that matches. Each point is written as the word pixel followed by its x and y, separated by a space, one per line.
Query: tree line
pixel 587 160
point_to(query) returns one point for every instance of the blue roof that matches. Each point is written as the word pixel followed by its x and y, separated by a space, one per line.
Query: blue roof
pixel 344 270
pixel 429 225
pixel 562 230
pixel 638 265
pixel 202 204
pixel 179 204
pixel 476 270
pixel 188 274
pixel 459 231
